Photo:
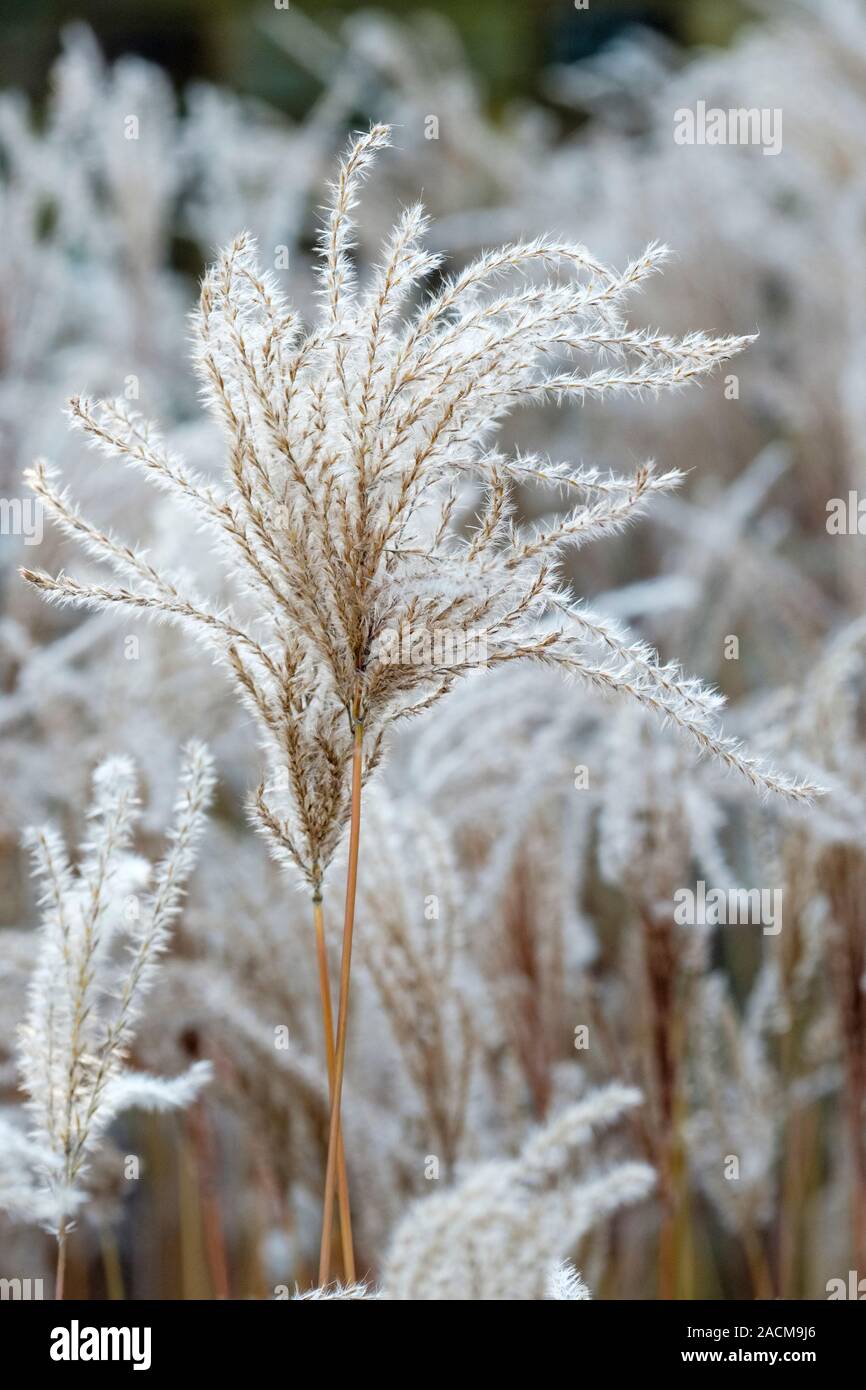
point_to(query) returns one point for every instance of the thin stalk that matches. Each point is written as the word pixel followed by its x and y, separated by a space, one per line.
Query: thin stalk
pixel 759 1266
pixel 195 1282
pixel 60 1278
pixel 328 1022
pixel 791 1199
pixel 668 1233
pixel 685 1253
pixel 211 1217
pixel 343 1014
pixel 660 964
pixel 111 1264
pixel 845 882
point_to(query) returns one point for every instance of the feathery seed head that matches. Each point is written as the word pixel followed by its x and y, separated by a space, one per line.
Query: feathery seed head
pixel 367 517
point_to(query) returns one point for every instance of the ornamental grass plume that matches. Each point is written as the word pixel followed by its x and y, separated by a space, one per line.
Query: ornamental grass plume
pixel 499 1232
pixel 366 510
pixel 105 926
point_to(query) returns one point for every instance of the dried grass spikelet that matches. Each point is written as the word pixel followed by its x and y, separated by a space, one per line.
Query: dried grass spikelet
pixel 566 1285
pixel 106 925
pixel 342 1293
pixel 352 450
pixel 496 1234
pixel 563 1284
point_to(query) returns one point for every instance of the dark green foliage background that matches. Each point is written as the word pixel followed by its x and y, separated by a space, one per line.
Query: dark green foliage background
pixel 508 41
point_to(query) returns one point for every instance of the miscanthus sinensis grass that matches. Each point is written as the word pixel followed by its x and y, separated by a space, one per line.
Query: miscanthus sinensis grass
pixel 106 924
pixel 365 498
pixel 500 1232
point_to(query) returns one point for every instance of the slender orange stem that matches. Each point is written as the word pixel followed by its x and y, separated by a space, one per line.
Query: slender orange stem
pixel 61 1262
pixel 328 1021
pixel 111 1263
pixel 343 1014
pixel 759 1266
pixel 211 1217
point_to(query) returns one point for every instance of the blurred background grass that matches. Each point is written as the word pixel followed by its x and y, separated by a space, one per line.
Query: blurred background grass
pixel 509 42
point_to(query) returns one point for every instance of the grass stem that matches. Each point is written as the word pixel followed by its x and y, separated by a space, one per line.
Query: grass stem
pixel 343 1014
pixel 328 1023
pixel 60 1279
